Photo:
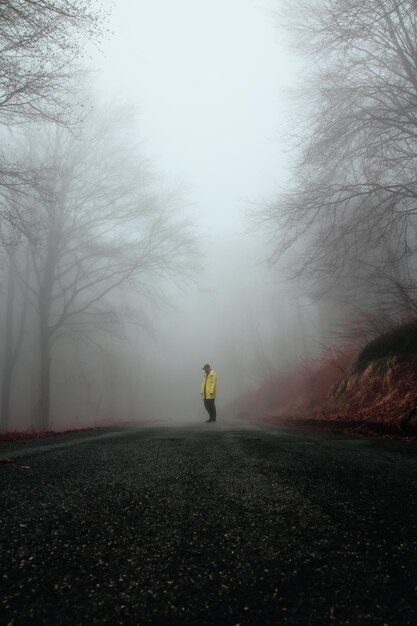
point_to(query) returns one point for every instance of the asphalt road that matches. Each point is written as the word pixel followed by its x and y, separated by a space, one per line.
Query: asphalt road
pixel 208 524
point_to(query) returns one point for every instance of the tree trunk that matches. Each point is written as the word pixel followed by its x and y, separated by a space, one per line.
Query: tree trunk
pixel 301 328
pixel 44 374
pixel 8 362
pixel 45 303
pixel 13 343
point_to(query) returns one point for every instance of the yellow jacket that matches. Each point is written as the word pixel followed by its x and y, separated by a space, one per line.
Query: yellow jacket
pixel 208 385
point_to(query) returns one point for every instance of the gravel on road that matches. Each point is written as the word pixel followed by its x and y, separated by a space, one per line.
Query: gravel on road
pixel 210 525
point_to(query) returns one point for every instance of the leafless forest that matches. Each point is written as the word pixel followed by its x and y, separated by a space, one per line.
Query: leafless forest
pixel 116 286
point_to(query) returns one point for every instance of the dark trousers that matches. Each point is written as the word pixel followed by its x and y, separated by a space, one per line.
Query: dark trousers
pixel 210 408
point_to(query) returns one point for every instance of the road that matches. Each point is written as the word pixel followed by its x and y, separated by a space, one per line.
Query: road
pixel 208 524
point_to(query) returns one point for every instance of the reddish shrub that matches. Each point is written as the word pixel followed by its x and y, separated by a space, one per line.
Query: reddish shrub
pixel 301 391
pixel 378 388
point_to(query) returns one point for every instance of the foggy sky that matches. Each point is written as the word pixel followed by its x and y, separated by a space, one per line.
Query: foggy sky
pixel 210 83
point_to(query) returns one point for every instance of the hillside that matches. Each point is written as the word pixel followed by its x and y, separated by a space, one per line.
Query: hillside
pixel 374 390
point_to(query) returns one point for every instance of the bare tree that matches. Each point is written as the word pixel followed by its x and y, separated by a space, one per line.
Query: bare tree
pixel 15 322
pixel 40 43
pixel 98 225
pixel 41 48
pixel 353 205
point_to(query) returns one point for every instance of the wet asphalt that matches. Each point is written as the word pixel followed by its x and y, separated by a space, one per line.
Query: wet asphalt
pixel 208 524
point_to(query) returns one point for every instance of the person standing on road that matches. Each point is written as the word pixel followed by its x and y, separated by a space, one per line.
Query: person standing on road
pixel 208 391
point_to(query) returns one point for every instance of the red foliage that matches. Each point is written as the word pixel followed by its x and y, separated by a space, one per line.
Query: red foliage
pixel 378 396
pixel 16 436
pixel 75 426
pixel 385 391
pixel 301 391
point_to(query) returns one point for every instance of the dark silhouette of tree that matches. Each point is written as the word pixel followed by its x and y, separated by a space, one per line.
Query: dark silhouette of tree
pixel 40 44
pixel 352 207
pixel 94 223
pixel 41 48
pixel 15 317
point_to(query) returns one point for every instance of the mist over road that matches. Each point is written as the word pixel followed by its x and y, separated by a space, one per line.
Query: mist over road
pixel 208 525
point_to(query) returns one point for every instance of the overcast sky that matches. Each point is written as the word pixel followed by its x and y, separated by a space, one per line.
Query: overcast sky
pixel 210 82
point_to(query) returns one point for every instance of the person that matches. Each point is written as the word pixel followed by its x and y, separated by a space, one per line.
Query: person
pixel 208 391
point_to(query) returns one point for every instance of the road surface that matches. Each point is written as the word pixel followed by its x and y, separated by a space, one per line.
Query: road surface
pixel 208 524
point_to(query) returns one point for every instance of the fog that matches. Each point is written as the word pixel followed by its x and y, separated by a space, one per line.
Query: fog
pixel 201 95
pixel 211 83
